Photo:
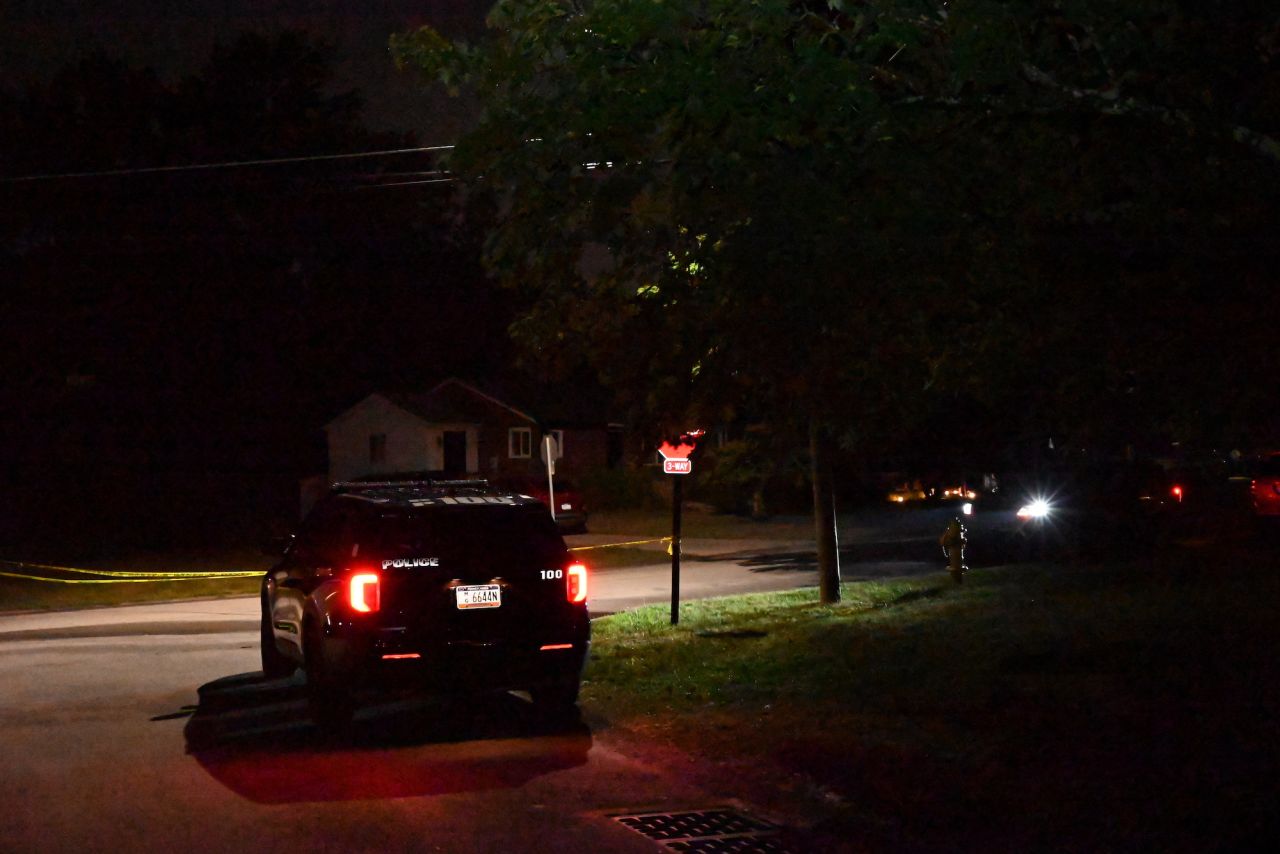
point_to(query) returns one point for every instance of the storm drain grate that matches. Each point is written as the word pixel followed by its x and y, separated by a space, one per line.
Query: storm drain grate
pixel 711 830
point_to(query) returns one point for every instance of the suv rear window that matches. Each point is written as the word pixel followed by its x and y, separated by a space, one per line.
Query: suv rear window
pixel 459 533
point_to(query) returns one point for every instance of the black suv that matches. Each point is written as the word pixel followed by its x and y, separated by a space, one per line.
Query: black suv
pixel 448 586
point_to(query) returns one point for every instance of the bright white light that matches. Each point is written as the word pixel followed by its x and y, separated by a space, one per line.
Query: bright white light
pixel 1037 509
pixel 966 509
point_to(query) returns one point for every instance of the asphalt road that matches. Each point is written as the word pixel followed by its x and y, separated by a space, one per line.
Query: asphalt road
pixel 149 728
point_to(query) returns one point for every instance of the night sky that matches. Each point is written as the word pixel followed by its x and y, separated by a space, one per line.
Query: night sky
pixel 165 329
pixel 174 36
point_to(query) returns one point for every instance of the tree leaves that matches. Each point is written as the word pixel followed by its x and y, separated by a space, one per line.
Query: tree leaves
pixel 836 209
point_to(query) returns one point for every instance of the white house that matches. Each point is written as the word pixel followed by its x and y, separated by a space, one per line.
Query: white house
pixel 458 429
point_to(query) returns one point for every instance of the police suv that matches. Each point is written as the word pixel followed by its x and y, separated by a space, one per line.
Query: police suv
pixel 447 586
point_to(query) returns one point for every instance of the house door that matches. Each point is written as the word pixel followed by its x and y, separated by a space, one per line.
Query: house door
pixel 455 451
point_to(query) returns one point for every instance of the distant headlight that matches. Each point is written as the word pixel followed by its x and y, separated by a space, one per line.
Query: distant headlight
pixel 1037 509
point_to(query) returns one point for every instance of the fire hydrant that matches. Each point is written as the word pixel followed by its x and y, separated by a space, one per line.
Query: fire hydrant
pixel 953 541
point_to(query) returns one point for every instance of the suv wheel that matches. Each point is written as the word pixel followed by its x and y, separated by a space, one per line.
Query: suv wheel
pixel 331 705
pixel 558 699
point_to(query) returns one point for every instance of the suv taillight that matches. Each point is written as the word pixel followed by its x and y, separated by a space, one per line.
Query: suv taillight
pixel 364 592
pixel 576 587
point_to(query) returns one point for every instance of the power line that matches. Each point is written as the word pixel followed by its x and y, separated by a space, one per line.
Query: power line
pixel 408 183
pixel 190 167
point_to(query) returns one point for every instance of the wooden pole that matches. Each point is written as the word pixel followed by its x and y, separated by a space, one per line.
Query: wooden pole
pixel 824 517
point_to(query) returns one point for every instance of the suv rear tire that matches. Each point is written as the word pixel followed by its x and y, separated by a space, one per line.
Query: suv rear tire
pixel 332 706
pixel 557 699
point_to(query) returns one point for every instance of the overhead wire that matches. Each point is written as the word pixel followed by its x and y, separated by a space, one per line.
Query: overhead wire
pixel 232 164
pixel 386 184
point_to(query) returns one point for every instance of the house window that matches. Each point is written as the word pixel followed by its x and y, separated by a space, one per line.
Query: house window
pixel 519 443
pixel 378 448
pixel 558 436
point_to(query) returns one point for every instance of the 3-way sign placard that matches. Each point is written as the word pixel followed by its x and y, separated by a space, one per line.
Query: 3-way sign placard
pixel 675 458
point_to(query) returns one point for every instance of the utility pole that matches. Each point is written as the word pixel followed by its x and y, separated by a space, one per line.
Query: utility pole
pixel 824 518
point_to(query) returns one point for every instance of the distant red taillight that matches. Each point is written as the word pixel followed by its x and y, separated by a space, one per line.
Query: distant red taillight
pixel 1177 493
pixel 576 589
pixel 364 592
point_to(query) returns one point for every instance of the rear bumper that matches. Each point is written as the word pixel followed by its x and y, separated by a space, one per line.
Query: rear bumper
pixel 471 667
pixel 571 520
pixel 391 661
pixel 1265 504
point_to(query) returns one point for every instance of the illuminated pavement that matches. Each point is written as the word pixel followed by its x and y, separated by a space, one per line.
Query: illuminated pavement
pixel 173 742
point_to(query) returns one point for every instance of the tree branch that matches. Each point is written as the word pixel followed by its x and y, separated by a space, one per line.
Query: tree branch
pixel 1109 102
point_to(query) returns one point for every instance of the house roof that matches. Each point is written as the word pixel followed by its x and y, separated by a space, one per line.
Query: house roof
pixel 569 403
pixel 454 401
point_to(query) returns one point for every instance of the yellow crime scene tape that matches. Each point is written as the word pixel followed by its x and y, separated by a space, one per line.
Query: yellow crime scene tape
pixel 114 576
pixel 125 577
pixel 615 545
pixel 120 580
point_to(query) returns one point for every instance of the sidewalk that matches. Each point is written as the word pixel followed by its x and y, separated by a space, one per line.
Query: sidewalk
pixel 219 611
pixel 693 547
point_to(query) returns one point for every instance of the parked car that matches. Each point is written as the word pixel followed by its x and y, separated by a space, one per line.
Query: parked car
pixel 570 511
pixel 1264 485
pixel 1096 509
pixel 933 491
pixel 444 586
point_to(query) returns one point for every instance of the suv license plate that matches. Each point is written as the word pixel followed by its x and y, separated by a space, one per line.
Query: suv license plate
pixel 479 596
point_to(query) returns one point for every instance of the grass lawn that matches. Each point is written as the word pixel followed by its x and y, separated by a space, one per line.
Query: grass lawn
pixel 1043 707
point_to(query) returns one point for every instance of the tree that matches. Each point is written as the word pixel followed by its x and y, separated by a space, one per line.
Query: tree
pixel 718 164
pixel 824 212
pixel 156 319
pixel 1144 142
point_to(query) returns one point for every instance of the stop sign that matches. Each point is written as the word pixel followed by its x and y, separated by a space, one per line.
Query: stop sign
pixel 675 458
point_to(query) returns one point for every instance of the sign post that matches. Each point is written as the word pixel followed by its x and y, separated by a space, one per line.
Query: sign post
pixel 550 449
pixel 675 460
pixel 676 500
